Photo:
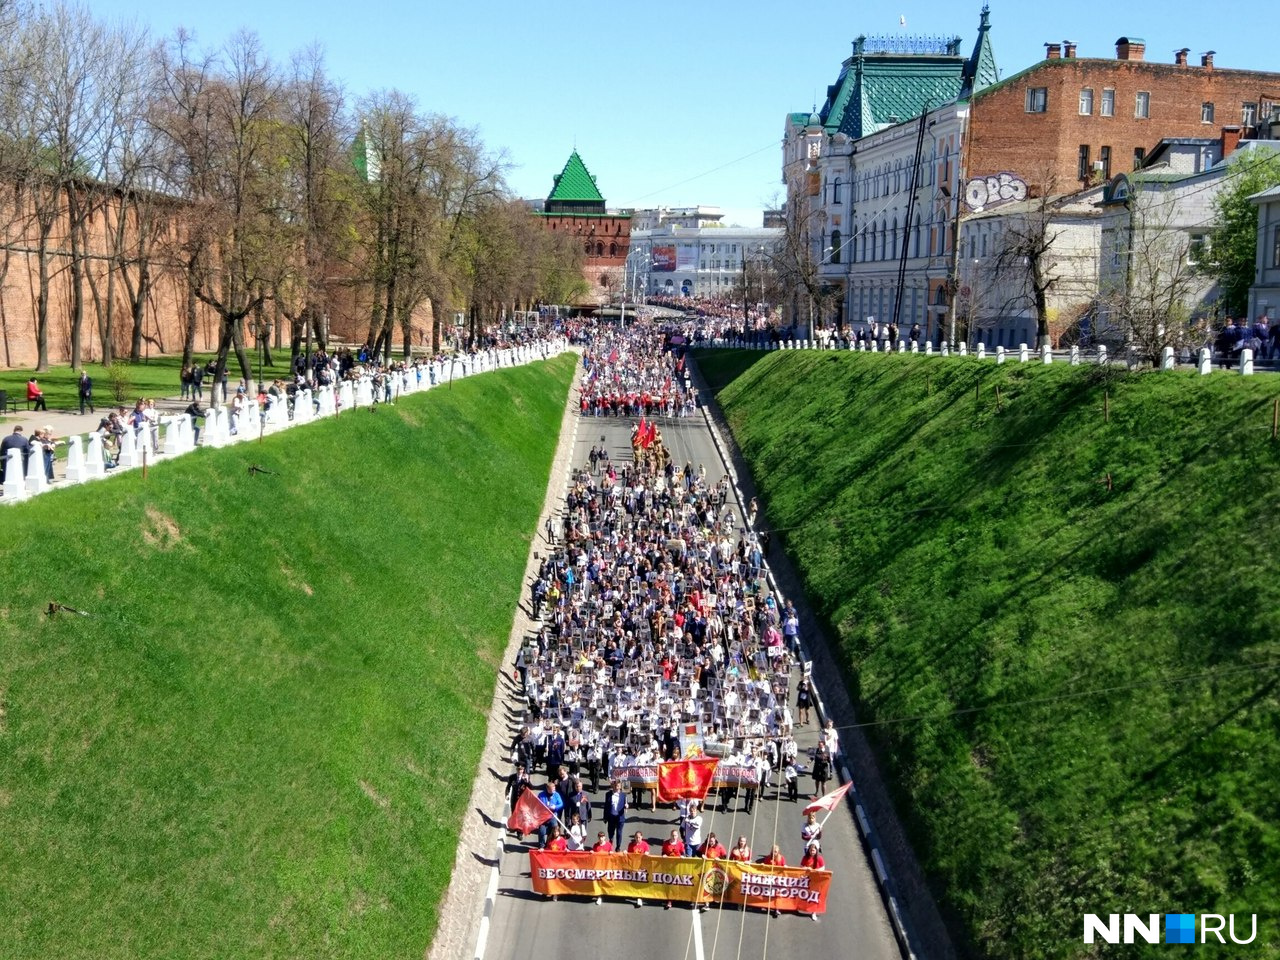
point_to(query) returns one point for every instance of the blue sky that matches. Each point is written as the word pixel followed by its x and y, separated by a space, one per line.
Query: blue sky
pixel 671 104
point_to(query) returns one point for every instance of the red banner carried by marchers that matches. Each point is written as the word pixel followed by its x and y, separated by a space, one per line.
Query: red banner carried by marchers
pixel 529 813
pixel 686 779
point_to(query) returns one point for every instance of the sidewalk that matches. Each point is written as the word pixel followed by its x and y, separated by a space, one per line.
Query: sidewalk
pixel 69 423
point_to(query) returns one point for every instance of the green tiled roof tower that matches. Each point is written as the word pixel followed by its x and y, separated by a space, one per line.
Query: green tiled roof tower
pixel 575 190
pixel 893 80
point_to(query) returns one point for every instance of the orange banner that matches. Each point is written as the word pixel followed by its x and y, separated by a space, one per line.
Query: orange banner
pixel 686 879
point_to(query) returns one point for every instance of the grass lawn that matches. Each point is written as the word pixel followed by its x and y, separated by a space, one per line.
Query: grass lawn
pixel 261 740
pixel 1055 591
pixel 158 377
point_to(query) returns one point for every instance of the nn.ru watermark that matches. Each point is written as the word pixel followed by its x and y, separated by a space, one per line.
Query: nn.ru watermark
pixel 1178 928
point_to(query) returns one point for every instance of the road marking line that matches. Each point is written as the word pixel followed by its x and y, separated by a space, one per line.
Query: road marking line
pixel 697 934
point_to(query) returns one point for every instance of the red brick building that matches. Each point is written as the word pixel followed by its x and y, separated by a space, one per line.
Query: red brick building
pixel 1072 121
pixel 576 206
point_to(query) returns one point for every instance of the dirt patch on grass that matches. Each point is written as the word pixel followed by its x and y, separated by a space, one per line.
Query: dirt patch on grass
pixel 374 795
pixel 160 531
pixel 295 583
pixel 408 417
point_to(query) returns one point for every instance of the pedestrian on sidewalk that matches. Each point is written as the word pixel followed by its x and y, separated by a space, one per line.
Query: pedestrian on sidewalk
pixel 84 388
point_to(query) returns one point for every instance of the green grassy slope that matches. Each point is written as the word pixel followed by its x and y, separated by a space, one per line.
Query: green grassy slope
pixel 261 741
pixel 1067 580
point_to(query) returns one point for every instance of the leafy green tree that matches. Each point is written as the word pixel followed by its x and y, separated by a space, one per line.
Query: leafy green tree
pixel 1234 241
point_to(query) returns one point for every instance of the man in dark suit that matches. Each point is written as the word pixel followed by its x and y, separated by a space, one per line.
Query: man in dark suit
pixel 85 390
pixel 615 813
pixel 14 441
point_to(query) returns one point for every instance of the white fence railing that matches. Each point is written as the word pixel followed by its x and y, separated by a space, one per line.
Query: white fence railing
pixel 174 436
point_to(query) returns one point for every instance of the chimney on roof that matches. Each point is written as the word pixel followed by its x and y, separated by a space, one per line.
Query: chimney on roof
pixel 1130 48
pixel 1206 59
pixel 1069 49
pixel 1180 56
pixel 1052 51
pixel 1230 140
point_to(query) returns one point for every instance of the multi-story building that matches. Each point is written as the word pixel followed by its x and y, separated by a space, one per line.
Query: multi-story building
pixel 693 218
pixel 913 139
pixel 1264 294
pixel 1121 263
pixel 575 205
pixel 703 262
pixel 872 190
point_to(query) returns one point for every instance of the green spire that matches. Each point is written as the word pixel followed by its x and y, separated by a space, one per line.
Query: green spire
pixel 981 71
pixel 574 184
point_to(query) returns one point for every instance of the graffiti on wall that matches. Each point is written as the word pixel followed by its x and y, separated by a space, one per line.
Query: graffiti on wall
pixel 983 192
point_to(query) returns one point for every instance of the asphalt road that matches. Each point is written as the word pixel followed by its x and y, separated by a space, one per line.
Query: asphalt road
pixel 527 925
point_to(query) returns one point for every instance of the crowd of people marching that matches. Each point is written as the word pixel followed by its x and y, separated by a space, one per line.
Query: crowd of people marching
pixel 657 636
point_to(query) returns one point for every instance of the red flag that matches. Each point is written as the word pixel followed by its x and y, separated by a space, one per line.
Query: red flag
pixel 686 779
pixel 529 813
pixel 640 432
pixel 653 433
pixel 829 801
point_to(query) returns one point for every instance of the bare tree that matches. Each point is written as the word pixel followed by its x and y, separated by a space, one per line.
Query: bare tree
pixel 319 180
pixel 222 126
pixel 1148 301
pixel 1027 260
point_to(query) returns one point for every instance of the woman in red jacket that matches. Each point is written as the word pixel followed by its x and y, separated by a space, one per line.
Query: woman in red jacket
pixel 673 846
pixel 813 860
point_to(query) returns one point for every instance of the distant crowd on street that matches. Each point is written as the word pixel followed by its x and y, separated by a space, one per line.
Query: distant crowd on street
pixel 658 637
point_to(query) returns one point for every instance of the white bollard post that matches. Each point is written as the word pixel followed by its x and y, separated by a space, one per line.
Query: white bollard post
pixel 928 348
pixel 981 351
pixel 93 462
pixel 963 349
pixel 1166 358
pixel 946 349
pixel 915 347
pixel 1046 355
pixel 1246 367
pixel 15 482
pixel 36 482
pixel 1023 353
pixel 75 460
pixel 128 449
pixel 1000 358
pixel 1075 357
pixel 1102 354
pixel 1205 364
pixel 902 346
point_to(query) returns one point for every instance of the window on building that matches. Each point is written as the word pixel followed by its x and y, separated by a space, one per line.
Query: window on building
pixel 1206 112
pixel 1198 248
pixel 1249 113
pixel 1108 106
pixel 1142 105
pixel 1139 157
pixel 613 249
pixel 835 191
pixel 1275 246
pixel 1082 163
pixel 835 246
pixel 1037 99
pixel 1104 155
pixel 599 249
pixel 1086 102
